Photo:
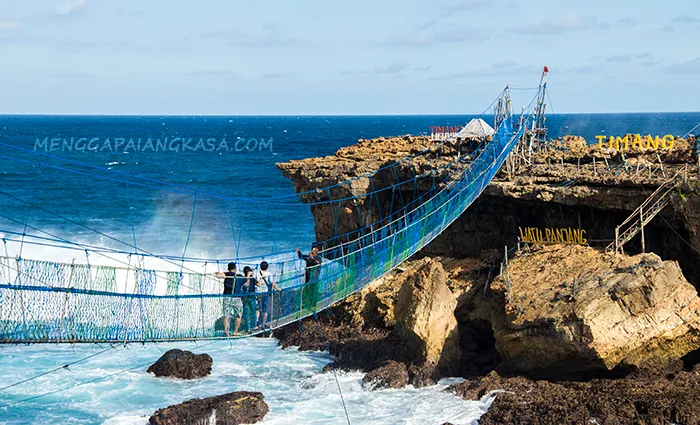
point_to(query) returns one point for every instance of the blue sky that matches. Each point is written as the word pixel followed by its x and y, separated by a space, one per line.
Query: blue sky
pixel 360 57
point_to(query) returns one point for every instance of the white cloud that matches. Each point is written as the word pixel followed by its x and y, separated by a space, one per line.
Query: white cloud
pixel 567 23
pixel 393 68
pixel 69 7
pixel 10 25
pixel 453 35
pixel 685 19
pixel 464 5
pixel 626 22
pixel 689 67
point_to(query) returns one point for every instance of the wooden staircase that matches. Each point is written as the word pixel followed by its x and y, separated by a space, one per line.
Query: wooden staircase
pixel 646 212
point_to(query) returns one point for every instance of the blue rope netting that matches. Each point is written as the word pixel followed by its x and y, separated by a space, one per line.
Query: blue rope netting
pixel 45 301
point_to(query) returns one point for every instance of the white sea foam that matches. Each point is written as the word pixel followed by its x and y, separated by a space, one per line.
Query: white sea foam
pixel 294 388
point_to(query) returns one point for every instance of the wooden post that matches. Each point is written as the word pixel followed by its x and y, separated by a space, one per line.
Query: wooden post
pixel 661 163
pixel 617 240
pixel 641 224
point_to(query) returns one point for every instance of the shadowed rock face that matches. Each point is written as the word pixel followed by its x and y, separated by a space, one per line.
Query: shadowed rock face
pixel 181 364
pixel 240 407
pixel 572 310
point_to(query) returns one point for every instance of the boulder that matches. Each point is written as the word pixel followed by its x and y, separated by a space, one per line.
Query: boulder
pixel 425 320
pixel 572 310
pixel 182 364
pixel 390 375
pixel 240 407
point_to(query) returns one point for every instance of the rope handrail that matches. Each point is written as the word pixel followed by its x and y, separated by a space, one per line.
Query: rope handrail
pixel 87 313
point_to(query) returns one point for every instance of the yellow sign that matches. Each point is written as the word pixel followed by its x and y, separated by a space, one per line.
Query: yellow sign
pixel 566 236
pixel 624 143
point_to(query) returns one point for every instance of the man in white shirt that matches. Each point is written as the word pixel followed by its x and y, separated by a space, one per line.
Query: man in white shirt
pixel 265 288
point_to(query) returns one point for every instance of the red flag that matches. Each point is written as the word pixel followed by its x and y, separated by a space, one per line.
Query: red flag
pixel 546 70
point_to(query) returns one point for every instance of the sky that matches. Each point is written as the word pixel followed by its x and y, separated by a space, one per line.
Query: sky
pixel 309 57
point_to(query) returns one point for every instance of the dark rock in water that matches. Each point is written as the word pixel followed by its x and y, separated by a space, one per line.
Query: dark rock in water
pixel 390 375
pixel 307 385
pixel 659 400
pixel 240 407
pixel 422 376
pixel 182 364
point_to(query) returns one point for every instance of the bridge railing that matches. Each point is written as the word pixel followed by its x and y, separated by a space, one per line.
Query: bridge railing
pixel 35 313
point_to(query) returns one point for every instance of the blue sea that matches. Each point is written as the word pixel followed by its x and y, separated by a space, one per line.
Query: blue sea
pixel 205 188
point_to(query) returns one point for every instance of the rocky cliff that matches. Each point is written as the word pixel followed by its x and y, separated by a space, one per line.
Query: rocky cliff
pixel 561 312
pixel 569 185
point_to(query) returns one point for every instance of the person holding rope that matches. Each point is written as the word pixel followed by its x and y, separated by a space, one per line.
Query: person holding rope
pixel 313 270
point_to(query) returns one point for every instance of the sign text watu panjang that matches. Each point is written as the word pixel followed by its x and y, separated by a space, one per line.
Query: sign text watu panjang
pixel 565 236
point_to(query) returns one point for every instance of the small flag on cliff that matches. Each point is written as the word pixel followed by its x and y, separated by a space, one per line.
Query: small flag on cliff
pixel 546 70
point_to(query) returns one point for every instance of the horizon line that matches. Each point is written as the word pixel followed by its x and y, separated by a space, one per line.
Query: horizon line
pixel 322 115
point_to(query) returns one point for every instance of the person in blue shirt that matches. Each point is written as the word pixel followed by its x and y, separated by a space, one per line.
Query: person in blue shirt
pixel 232 305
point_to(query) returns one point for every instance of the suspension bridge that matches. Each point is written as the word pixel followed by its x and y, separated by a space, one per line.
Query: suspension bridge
pixel 49 301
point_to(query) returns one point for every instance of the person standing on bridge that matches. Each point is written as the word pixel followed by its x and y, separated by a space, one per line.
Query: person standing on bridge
pixel 249 309
pixel 313 270
pixel 266 287
pixel 232 305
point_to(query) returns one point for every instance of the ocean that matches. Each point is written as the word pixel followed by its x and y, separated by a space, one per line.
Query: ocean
pixel 204 188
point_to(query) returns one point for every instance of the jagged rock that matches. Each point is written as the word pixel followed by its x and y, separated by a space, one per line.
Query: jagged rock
pixel 423 375
pixel 520 401
pixel 425 319
pixel 574 310
pixel 390 375
pixel 240 407
pixel 182 364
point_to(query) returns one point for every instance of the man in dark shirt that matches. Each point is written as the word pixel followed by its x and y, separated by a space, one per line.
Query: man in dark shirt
pixel 313 269
pixel 232 305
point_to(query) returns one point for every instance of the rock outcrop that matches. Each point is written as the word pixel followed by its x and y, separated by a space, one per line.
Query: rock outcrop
pixel 181 364
pixel 391 374
pixel 411 308
pixel 240 407
pixel 572 310
pixel 425 320
pixel 673 398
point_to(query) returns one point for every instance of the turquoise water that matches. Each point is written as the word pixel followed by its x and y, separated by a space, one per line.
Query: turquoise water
pixel 294 387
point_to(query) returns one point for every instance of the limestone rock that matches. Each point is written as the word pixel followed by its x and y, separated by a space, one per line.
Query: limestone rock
pixel 240 407
pixel 425 319
pixel 182 364
pixel 572 309
pixel 390 375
